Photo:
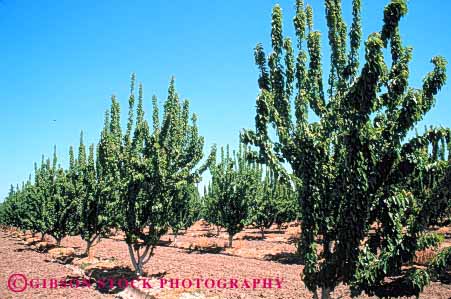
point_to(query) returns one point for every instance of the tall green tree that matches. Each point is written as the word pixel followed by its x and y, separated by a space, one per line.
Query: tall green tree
pixel 234 183
pixel 109 165
pixel 147 168
pixel 351 160
pixel 91 207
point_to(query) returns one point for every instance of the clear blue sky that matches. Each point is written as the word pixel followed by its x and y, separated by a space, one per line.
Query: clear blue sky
pixel 61 60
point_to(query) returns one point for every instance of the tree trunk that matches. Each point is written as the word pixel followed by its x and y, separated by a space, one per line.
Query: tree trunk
pixel 140 270
pixel 175 236
pixel 262 231
pixel 90 244
pixel 315 295
pixel 298 248
pixel 218 230
pixel 230 240
pixel 132 257
pixel 58 242
pixel 88 248
pixel 138 263
pixel 325 293
pixel 42 237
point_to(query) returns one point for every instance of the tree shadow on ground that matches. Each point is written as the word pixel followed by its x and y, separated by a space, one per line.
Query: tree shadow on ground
pixel 164 243
pixel 293 240
pixel 180 233
pixel 19 243
pixel 35 246
pixel 23 249
pixel 63 260
pixel 398 287
pixel 287 258
pixel 46 248
pixel 267 231
pixel 203 250
pixel 81 255
pixel 252 238
pixel 445 278
pixel 111 281
pixel 158 275
pixel 277 231
pixel 208 234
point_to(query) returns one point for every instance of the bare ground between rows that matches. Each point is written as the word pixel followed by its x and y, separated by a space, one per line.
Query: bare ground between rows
pixel 250 258
pixel 17 258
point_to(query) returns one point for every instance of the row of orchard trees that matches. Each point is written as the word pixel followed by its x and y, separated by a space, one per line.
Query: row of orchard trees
pixel 246 193
pixel 143 182
pixel 74 201
pixel 134 180
pixel 368 189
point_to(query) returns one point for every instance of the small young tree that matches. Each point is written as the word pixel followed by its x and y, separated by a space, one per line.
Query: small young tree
pixel 42 193
pixel 434 177
pixel 275 202
pixel 349 164
pixel 287 205
pixel 196 204
pixel 234 183
pixel 59 209
pixel 28 208
pixel 210 211
pixel 3 217
pixel 10 208
pixel 263 207
pixel 183 208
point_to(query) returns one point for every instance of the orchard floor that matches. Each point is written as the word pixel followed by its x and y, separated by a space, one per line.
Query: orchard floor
pixel 197 254
pixel 17 258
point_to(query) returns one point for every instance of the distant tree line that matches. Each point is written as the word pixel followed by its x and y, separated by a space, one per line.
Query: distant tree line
pixel 143 181
pixel 366 189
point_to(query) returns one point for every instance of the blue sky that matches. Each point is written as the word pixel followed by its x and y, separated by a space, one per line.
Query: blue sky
pixel 62 60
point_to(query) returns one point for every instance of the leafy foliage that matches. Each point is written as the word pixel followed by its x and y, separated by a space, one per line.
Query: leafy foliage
pixel 149 169
pixel 367 192
pixel 440 263
pixel 142 181
pixel 56 207
pixel 274 202
pixel 84 178
pixel 233 186
pixel 185 208
pixel 354 166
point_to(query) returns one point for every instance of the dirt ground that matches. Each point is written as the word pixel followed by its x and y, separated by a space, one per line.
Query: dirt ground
pixel 17 258
pixel 197 256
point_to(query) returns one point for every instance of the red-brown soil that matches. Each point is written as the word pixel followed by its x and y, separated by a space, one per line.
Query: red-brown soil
pixel 199 253
pixel 18 258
